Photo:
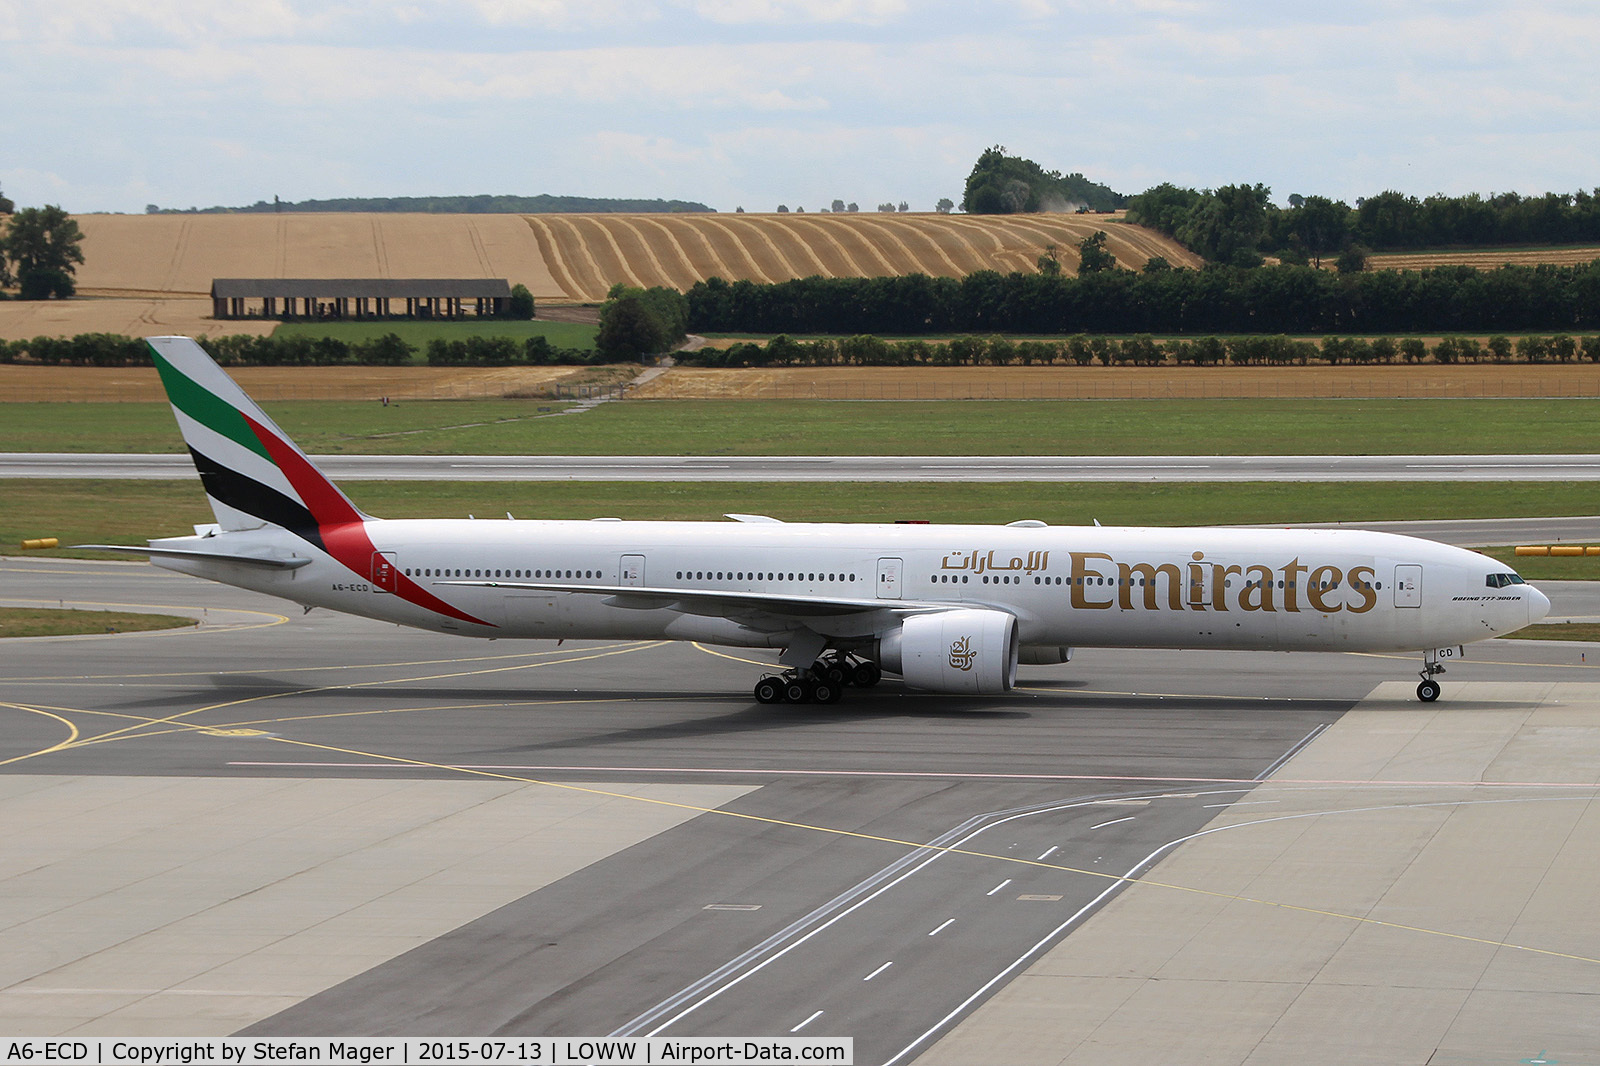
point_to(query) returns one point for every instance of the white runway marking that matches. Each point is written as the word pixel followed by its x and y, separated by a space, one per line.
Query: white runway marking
pixel 1113 821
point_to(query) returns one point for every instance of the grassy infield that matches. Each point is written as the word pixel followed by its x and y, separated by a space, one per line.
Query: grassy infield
pixel 128 511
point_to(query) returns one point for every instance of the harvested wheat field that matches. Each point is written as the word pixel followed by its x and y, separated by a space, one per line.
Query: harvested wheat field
pixel 1484 260
pixel 145 315
pixel 1107 383
pixel 141 385
pixel 579 257
pixel 588 253
pixel 181 254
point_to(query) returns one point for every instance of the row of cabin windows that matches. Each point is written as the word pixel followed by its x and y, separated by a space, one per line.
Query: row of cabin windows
pixel 446 572
pixel 694 575
pixel 730 575
pixel 707 575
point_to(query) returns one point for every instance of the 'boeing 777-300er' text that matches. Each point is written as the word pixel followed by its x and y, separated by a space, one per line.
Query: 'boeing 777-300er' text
pixel 948 608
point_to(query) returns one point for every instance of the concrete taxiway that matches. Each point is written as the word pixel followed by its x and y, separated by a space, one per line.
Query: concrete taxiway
pixel 304 824
pixel 1154 468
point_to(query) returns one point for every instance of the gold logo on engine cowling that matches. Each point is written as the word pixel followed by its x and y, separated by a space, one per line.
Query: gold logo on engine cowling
pixel 961 654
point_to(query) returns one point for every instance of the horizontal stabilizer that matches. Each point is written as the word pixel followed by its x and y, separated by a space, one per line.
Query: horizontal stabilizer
pixel 292 562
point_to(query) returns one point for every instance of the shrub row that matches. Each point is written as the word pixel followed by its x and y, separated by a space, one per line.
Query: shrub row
pixel 113 349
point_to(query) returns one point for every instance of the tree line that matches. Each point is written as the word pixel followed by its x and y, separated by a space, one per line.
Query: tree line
pixel 1083 350
pixel 1161 299
pixel 1237 224
pixel 482 204
pixel 115 349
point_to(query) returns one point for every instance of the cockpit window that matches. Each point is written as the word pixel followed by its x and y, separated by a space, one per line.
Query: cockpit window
pixel 1500 581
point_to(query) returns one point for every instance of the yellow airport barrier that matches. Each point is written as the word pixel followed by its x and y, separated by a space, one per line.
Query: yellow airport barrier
pixel 40 542
pixel 1564 550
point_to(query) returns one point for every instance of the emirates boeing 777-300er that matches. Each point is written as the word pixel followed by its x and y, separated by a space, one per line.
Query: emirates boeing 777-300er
pixel 947 608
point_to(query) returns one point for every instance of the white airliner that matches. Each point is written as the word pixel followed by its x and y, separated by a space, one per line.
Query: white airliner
pixel 949 608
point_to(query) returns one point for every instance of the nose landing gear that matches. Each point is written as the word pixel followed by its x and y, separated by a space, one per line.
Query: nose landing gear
pixel 1428 690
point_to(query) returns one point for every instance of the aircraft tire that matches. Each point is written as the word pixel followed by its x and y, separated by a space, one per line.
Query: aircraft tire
pixel 831 670
pixel 769 690
pixel 796 690
pixel 1428 691
pixel 825 690
pixel 865 675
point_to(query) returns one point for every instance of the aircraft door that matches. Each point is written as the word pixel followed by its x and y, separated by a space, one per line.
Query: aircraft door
pixel 889 579
pixel 383 572
pixel 1200 591
pixel 632 571
pixel 1408 586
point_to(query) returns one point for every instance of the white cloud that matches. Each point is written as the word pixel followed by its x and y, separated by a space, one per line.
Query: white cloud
pixel 762 100
pixel 868 12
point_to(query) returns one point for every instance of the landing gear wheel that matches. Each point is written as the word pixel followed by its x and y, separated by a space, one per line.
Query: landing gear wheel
pixel 865 675
pixel 796 690
pixel 829 669
pixel 824 690
pixel 1428 691
pixel 769 690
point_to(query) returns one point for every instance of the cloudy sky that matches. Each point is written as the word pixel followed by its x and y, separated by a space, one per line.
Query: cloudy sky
pixel 113 104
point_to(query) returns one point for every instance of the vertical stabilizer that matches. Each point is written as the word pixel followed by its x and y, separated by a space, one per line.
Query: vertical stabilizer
pixel 252 472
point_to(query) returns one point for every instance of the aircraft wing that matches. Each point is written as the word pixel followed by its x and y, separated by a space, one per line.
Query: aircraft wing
pixel 717 602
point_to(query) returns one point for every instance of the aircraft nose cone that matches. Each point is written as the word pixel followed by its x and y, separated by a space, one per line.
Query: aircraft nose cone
pixel 1538 605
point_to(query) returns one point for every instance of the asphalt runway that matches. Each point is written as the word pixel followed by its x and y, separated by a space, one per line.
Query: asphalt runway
pixel 895 857
pixel 958 468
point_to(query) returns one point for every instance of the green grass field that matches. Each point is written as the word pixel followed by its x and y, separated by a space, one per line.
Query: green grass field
pixel 1559 631
pixel 418 334
pixel 785 427
pixel 129 512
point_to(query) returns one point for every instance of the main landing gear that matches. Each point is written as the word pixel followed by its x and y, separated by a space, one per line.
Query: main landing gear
pixel 1428 691
pixel 823 682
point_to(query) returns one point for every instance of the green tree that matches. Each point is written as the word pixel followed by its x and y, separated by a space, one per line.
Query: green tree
pixel 837 207
pixel 1092 254
pixel 945 205
pixel 44 244
pixel 638 322
pixel 521 303
pixel 6 206
pixel 628 331
pixel 1226 225
pixel 1049 263
pixel 1353 260
pixel 1322 225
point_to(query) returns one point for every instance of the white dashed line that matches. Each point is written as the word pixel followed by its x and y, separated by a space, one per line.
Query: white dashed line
pixel 1113 821
pixel 807 1022
pixel 879 970
pixel 998 887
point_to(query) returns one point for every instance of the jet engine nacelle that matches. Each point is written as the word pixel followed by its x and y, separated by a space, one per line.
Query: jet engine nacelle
pixel 966 650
